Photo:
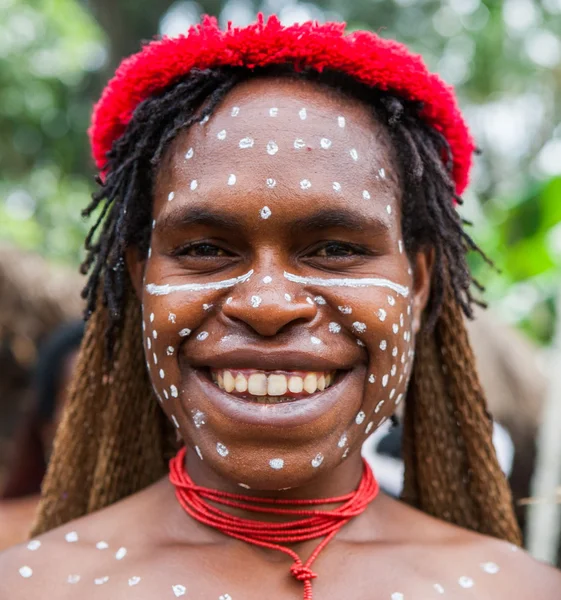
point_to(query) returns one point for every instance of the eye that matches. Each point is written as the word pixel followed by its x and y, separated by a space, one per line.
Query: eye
pixel 338 249
pixel 202 250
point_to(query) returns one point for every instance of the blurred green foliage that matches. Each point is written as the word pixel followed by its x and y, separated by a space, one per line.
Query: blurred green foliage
pixel 503 57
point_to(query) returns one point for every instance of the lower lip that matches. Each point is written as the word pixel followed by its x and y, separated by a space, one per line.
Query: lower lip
pixel 286 414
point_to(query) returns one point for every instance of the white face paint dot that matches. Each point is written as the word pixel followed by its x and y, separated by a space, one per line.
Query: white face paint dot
pixel 222 450
pixel 288 297
pixel 171 318
pixel 379 406
pixel 360 417
pixel 231 179
pixel 389 209
pixel 267 279
pixel 204 119
pixel 334 327
pixel 366 195
pixel 189 154
pixel 369 427
pixel 354 154
pixel 394 351
pixel 73 579
pixel 302 114
pixel 179 590
pixel 400 246
pixel 34 545
pixel 202 336
pixel 383 345
pixel 341 121
pixel 382 173
pixel 315 340
pixel 490 567
pixel 199 419
pixel 134 581
pixel 207 306
pixel 25 571
pixel 273 112
pixel 381 314
pixel 299 144
pixel 221 135
pixel 325 143
pixel 162 374
pixel 101 580
pixel 151 317
pixel 395 327
pixel 225 597
pixel 319 300
pixel 175 422
pixel 171 196
pixel 121 553
pixel 199 453
pixel 276 463
pixel 309 300
pixel 397 596
pixel 438 588
pixel 305 184
pixel 393 372
pixel 346 310
pixel 336 186
pixel 391 300
pixel 372 378
pixel 184 332
pixel 317 460
pixel 102 545
pixel 166 394
pixel 256 301
pixel 173 391
pixel 385 380
pixel 244 485
pixel 155 358
pixel 235 111
pixel 194 184
pixel 265 212
pixel 272 148
pixel 246 142
pixel 153 223
pixel 359 327
pixel 71 537
pixel 466 582
pixel 155 334
pixel 271 183
pixel 169 350
pixel 342 440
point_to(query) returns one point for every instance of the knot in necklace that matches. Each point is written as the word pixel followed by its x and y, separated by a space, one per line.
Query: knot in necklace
pixel 309 523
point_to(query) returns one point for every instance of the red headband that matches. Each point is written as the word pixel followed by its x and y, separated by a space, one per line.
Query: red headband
pixel 374 61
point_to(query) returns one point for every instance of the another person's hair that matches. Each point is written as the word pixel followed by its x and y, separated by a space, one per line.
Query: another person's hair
pixel 116 439
pixel 29 458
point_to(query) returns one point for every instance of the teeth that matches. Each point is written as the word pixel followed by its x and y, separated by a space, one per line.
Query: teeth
pixel 269 387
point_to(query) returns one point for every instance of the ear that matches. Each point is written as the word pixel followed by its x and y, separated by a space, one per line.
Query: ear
pixel 136 264
pixel 422 276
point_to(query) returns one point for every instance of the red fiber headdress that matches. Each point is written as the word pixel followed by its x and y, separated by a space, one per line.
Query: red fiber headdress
pixel 368 58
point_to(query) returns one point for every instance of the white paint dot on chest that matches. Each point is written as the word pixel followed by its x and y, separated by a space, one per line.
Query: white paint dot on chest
pixel 155 334
pixel 199 453
pixel 389 209
pixel 379 406
pixel 272 148
pixel 199 419
pixel 175 421
pixel 466 582
pixel 169 350
pixel 305 184
pixel 26 572
pixel 151 317
pixel 271 183
pixel 319 300
pixel 372 378
pixel 171 196
pixel 265 212
pixel 194 185
pixel 179 590
pixel 225 596
pixel 162 374
pixel 303 114
pixel 204 120
pixel 381 314
pixel 276 463
pixel 34 545
pixel 382 173
pixel 221 135
pixel 232 179
pixel 391 300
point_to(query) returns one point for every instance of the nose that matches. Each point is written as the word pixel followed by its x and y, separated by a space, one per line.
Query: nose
pixel 269 312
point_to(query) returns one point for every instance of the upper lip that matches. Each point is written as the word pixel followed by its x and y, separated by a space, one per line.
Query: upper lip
pixel 285 359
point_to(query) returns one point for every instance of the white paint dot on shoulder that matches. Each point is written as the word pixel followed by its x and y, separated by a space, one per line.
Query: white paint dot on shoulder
pixel 221 135
pixel 121 553
pixel 189 154
pixel 26 572
pixel 222 450
pixel 317 460
pixel 366 195
pixel 397 596
pixel 179 590
pixel 171 196
pixel 315 340
pixel 267 279
pixel 102 545
pixel 272 148
pixel 175 422
pixel 235 111
pixel 325 143
pixel 305 184
pixel 184 332
pixel 354 154
pixel 135 580
pixel 276 463
pixel 303 114
pixel 33 545
pixel 162 374
pixel 360 417
pixel 271 183
pixel 336 186
pixel 341 121
pixel 466 582
pixel 273 112
pixel 394 351
pixel 232 179
pixel 173 391
pixel 299 143
pixel 194 185
pixel 246 142
pixel 288 297
pixel 202 336
pixel 71 536
pixel 74 578
pixel 256 301
pixel 265 212
pixel 490 567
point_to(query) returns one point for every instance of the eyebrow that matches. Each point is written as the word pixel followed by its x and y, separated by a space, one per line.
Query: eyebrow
pixel 198 215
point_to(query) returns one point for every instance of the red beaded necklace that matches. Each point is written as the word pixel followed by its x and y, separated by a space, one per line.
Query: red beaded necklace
pixel 314 524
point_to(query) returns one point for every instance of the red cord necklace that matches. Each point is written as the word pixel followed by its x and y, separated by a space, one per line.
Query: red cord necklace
pixel 314 524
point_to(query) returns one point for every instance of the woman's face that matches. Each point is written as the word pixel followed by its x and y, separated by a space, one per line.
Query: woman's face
pixel 279 305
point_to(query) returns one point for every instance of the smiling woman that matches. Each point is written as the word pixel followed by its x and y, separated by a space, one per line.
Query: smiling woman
pixel 280 266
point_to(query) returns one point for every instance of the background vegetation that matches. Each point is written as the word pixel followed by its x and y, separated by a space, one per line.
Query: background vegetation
pixel 503 57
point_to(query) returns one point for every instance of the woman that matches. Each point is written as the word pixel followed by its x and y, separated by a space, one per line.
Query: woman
pixel 279 243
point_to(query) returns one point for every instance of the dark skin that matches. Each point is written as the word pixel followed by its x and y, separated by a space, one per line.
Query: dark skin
pixel 389 549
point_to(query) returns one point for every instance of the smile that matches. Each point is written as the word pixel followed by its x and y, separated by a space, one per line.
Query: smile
pixel 272 387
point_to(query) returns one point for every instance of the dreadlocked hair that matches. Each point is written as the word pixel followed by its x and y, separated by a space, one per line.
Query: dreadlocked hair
pixel 451 470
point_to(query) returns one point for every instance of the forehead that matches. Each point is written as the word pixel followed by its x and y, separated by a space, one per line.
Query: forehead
pixel 293 135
